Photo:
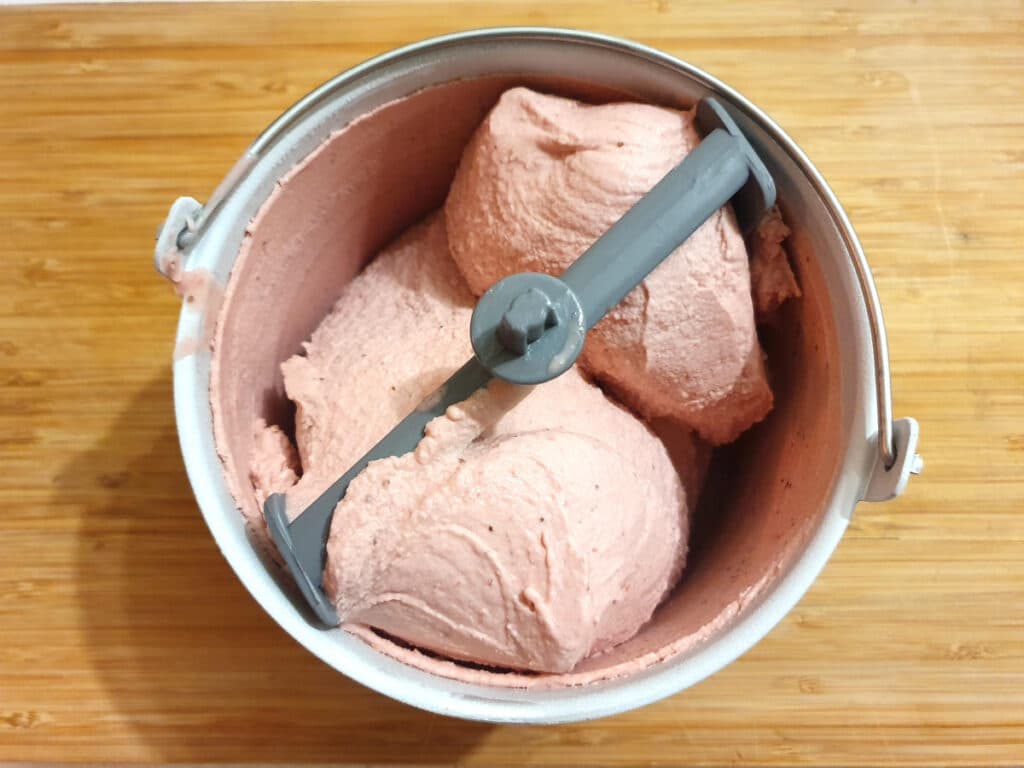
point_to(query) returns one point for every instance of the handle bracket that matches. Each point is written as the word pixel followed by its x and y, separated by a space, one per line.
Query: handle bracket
pixel 183 218
pixel 888 482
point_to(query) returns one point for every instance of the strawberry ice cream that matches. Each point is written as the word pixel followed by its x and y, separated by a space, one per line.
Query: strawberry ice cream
pixel 542 179
pixel 511 535
pixel 532 528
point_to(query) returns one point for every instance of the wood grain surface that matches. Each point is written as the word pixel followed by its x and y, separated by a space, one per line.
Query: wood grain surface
pixel 125 637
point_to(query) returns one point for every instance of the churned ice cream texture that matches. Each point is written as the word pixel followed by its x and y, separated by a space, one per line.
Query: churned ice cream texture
pixel 511 536
pixel 543 178
pixel 532 527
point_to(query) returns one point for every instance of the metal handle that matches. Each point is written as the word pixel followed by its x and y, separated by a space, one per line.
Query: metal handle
pixel 879 345
pixel 880 349
pixel 896 465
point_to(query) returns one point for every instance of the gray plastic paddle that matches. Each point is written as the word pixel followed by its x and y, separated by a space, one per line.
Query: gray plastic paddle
pixel 530 327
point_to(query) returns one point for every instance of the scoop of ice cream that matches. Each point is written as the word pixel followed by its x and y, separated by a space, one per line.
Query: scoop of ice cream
pixel 514 535
pixel 396 333
pixel 542 179
pixel 529 529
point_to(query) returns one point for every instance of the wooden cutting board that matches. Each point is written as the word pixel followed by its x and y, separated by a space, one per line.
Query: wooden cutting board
pixel 125 637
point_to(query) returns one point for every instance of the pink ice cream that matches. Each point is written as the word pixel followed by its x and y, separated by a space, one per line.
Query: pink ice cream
pixel 512 535
pixel 542 179
pixel 365 367
pixel 532 528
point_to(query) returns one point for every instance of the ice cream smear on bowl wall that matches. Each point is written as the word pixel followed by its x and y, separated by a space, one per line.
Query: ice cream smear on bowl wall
pixel 533 527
